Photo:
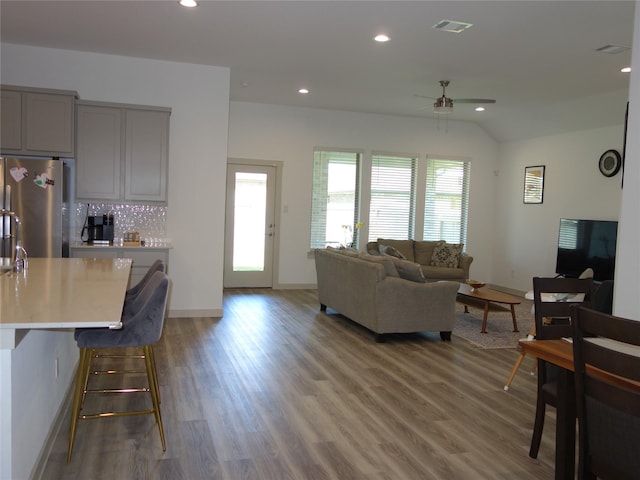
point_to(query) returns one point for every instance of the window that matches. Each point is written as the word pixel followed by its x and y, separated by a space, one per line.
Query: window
pixel 335 197
pixel 446 200
pixel 392 207
pixel 393 188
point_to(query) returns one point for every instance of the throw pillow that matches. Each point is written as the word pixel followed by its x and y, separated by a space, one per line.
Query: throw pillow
pixel 424 250
pixel 409 270
pixel 447 255
pixel 391 251
pixel 403 246
pixel 372 248
pixel 387 263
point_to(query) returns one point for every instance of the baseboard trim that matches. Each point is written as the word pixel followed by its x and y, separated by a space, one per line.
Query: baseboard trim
pixel 510 291
pixel 212 312
pixel 295 286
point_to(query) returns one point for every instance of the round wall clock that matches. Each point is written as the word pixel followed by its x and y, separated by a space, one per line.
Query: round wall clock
pixel 610 162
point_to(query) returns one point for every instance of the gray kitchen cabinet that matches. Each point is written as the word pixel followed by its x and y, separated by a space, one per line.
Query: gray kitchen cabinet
pixel 142 257
pixel 146 154
pixel 38 122
pixel 99 153
pixel 123 153
pixel 11 121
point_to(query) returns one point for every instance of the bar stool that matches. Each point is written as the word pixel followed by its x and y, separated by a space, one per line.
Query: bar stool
pixel 157 266
pixel 141 328
pixel 133 292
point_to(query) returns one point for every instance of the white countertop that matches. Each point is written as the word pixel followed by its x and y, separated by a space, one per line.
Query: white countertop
pixel 64 293
pixel 119 246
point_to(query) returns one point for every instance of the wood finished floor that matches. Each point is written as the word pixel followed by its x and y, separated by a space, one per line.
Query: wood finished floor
pixel 277 390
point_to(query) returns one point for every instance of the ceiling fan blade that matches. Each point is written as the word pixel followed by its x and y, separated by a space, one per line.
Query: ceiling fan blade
pixel 473 100
pixel 424 96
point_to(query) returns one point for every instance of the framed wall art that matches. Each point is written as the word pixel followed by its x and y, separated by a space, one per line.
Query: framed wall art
pixel 533 184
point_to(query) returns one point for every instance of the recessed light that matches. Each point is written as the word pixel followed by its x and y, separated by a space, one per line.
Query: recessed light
pixel 304 91
pixel 188 3
pixel 381 38
pixel 479 109
pixel 626 70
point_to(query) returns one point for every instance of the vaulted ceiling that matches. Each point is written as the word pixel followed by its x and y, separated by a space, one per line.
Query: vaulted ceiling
pixel 537 59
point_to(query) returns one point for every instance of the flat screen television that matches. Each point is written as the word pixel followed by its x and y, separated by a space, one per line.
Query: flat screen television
pixel 586 244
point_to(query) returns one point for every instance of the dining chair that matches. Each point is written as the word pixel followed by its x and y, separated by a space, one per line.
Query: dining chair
pixel 141 328
pixel 608 408
pixel 552 321
pixel 602 297
pixel 516 366
pixel 586 273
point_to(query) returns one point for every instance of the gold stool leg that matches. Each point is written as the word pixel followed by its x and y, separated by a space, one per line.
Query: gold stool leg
pixel 82 375
pixel 152 355
pixel 153 389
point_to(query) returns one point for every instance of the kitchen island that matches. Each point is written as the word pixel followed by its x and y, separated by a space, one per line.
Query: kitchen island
pixel 142 256
pixel 39 308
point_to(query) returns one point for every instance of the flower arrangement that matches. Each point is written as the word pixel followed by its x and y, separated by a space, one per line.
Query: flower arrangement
pixel 351 234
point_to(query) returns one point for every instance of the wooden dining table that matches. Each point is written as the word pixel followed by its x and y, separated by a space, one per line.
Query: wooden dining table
pixel 560 353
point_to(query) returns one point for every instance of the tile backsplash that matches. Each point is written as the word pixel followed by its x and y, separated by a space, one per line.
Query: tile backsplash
pixel 149 220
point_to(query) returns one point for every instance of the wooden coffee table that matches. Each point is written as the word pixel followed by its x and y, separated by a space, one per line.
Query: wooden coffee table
pixel 487 296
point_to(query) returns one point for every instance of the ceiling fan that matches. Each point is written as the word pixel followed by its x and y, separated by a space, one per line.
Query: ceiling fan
pixel 444 104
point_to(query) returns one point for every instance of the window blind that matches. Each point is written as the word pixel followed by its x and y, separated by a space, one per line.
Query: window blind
pixel 393 189
pixel 446 200
pixel 335 197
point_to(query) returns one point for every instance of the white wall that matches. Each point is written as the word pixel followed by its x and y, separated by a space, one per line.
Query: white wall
pixel 289 134
pixel 627 282
pixel 526 235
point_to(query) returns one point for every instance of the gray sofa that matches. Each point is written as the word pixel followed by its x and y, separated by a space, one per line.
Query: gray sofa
pixel 368 290
pixel 453 265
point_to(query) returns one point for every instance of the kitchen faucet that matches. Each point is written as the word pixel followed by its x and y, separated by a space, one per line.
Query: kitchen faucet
pixel 18 254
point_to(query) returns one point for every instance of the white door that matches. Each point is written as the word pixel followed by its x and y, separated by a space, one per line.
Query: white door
pixel 250 226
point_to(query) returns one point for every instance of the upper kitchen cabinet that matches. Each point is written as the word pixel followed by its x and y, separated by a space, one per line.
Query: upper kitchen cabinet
pixel 39 122
pixel 123 153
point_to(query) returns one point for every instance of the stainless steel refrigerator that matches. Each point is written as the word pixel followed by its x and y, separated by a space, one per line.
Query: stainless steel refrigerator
pixel 33 189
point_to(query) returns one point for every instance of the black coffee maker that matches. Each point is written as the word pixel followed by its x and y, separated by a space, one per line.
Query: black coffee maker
pixel 100 229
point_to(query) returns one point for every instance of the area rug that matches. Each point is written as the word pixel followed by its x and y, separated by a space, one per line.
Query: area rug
pixel 500 332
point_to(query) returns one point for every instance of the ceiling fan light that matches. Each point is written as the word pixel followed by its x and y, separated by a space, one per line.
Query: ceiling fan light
pixel 443 105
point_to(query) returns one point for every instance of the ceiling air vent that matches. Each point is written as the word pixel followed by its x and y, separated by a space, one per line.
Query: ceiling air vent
pixel 613 49
pixel 452 26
